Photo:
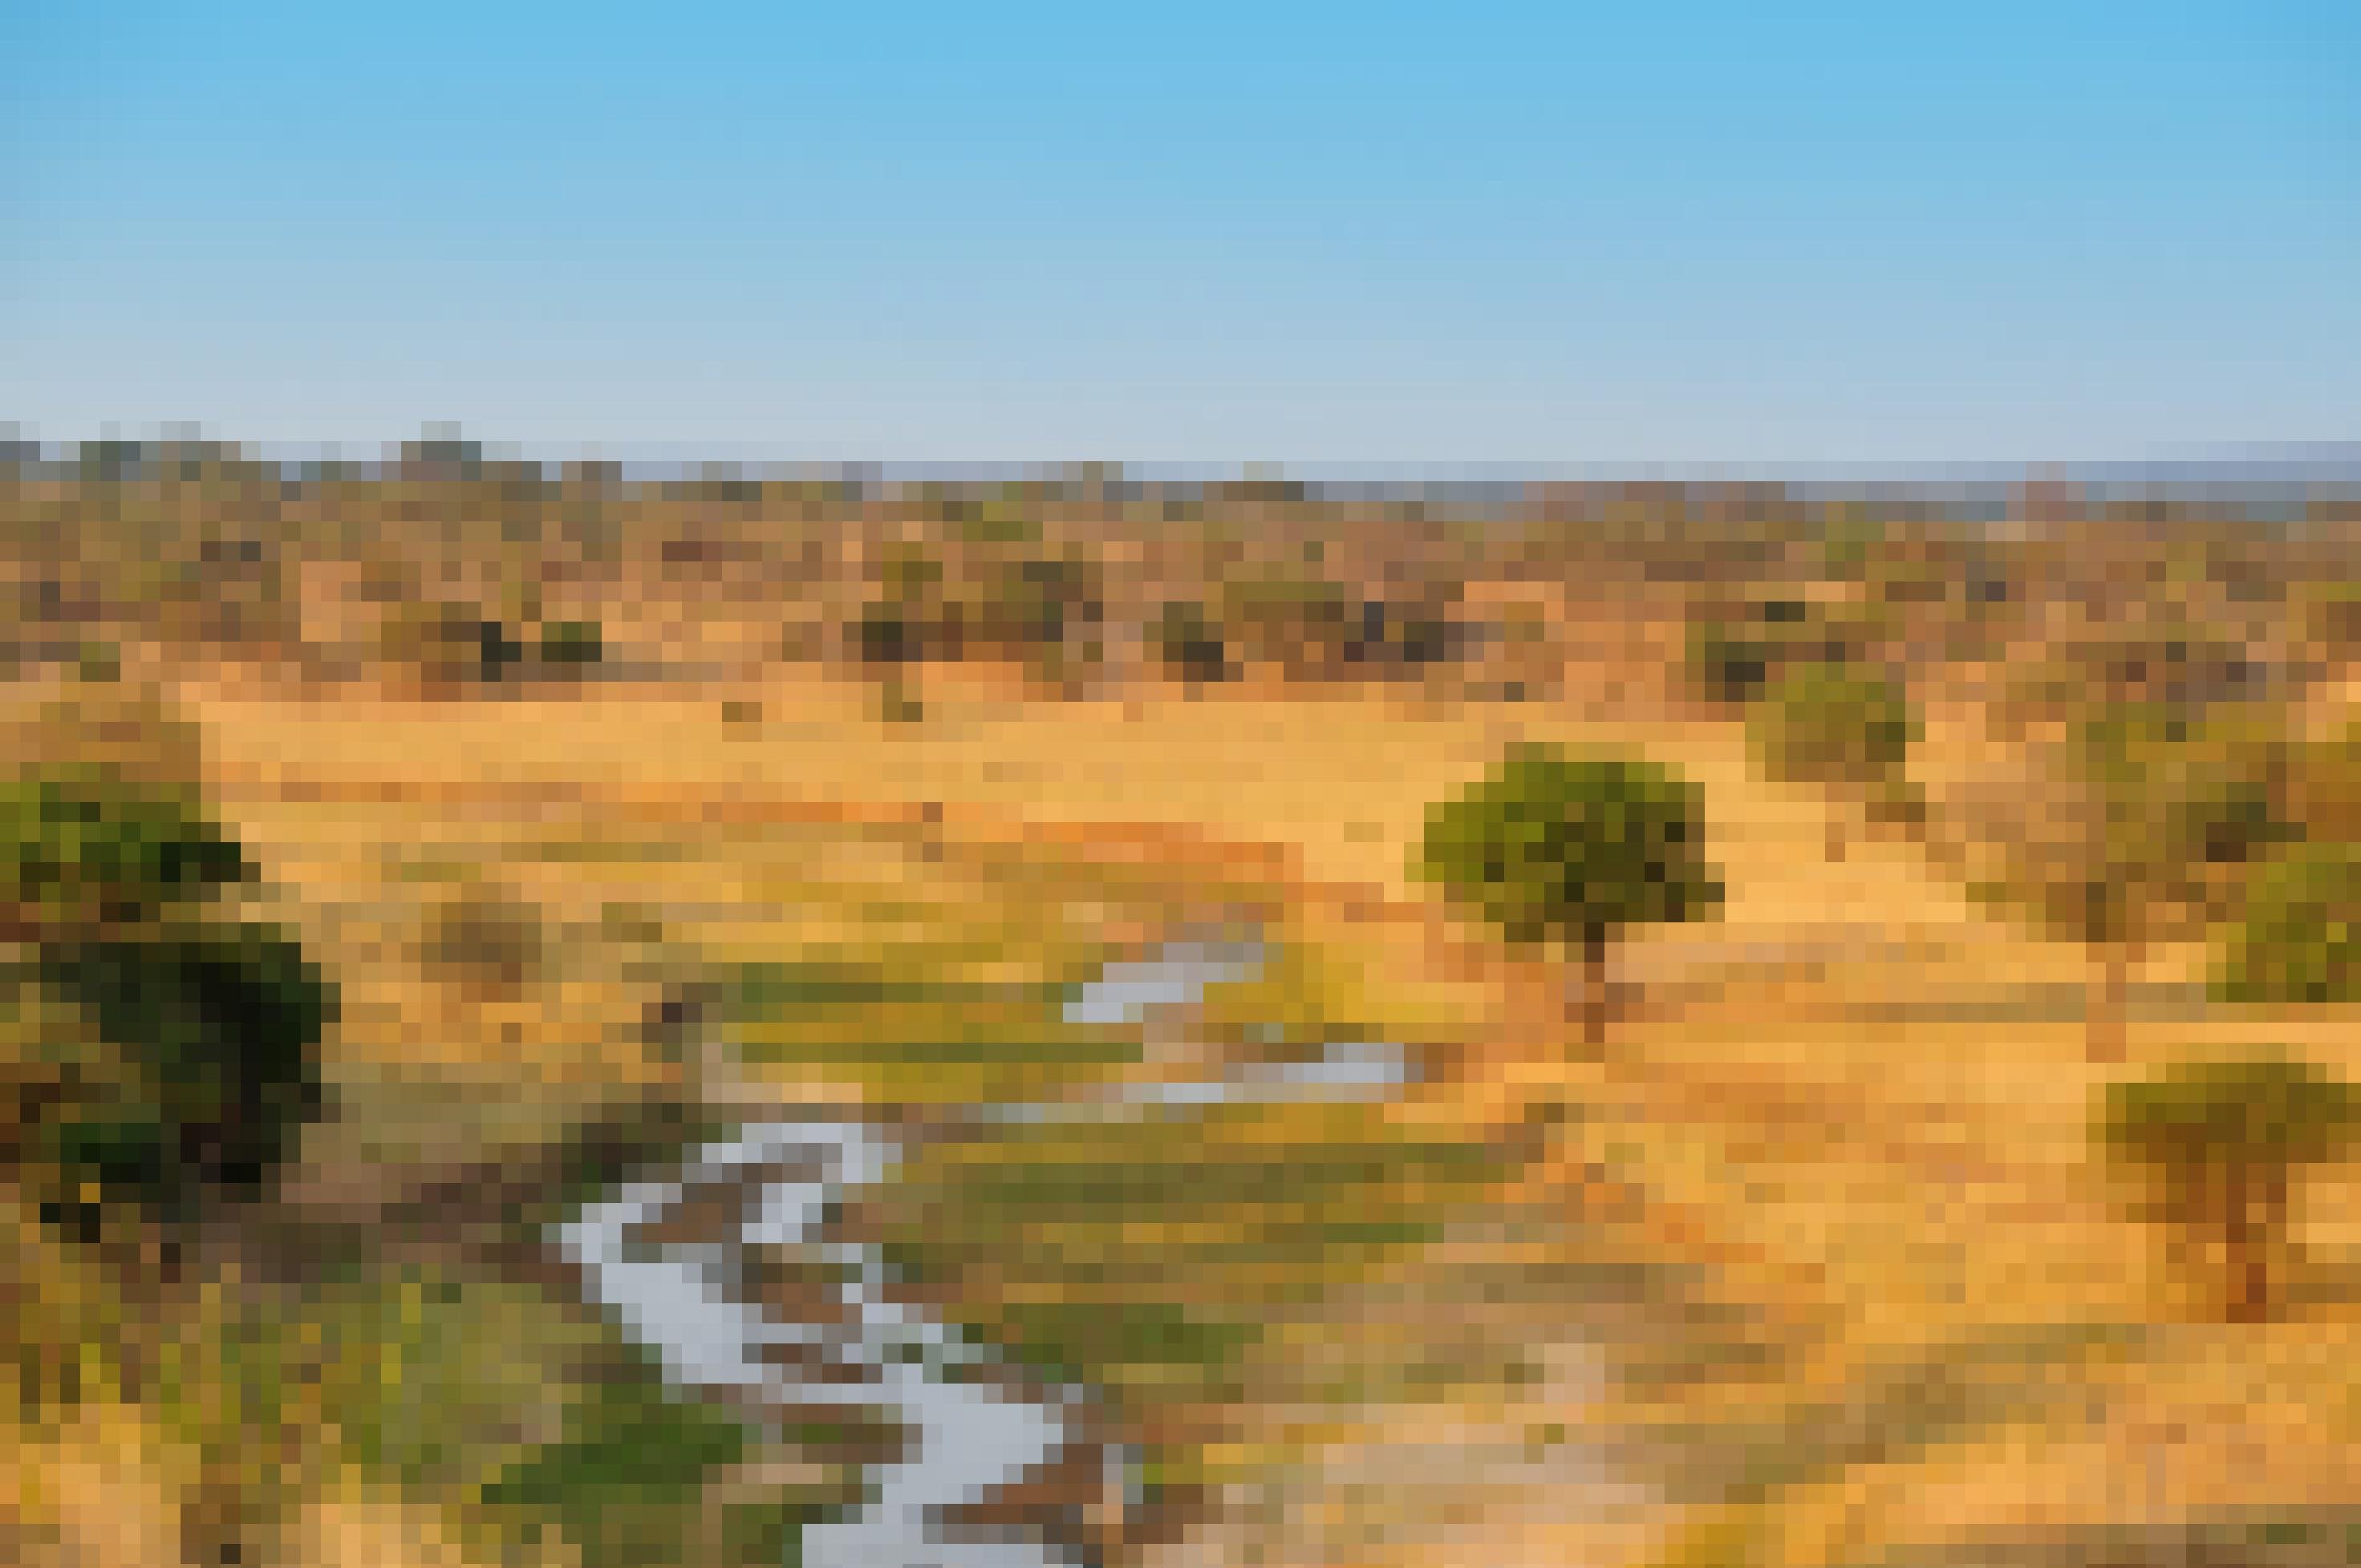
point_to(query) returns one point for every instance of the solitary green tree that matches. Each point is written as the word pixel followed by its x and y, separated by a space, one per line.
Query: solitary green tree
pixel 1840 728
pixel 1559 851
pixel 2217 1143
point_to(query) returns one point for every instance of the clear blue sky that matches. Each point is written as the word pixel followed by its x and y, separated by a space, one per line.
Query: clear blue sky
pixel 1214 232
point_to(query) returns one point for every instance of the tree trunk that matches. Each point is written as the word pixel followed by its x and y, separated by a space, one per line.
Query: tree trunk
pixel 2248 1293
pixel 2257 1217
pixel 1594 988
pixel 2109 1027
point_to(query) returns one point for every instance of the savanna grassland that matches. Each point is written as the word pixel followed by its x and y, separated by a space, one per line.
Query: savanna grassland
pixel 613 813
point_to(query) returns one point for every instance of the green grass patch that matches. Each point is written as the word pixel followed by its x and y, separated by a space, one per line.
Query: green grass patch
pixel 916 1040
pixel 1145 1255
pixel 1085 1339
pixel 626 1483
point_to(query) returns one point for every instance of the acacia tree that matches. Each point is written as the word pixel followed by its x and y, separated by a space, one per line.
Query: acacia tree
pixel 2134 830
pixel 1558 851
pixel 1840 728
pixel 2217 1143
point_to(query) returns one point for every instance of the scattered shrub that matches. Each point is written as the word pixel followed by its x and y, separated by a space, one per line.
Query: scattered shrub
pixel 572 644
pixel 1188 645
pixel 1840 728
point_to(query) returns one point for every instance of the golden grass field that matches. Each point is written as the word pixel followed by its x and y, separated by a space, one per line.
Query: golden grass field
pixel 1897 1208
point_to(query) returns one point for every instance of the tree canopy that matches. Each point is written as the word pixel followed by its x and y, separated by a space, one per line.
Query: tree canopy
pixel 81 848
pixel 2219 1140
pixel 2198 1114
pixel 1555 849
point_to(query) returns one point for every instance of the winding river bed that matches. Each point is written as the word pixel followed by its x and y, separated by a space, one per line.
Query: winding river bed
pixel 685 1295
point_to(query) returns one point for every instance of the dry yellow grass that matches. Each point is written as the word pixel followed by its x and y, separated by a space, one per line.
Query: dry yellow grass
pixel 96 1490
pixel 363 1531
pixel 1892 1187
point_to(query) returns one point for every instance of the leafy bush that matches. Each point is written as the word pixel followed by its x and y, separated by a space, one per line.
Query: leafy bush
pixel 1189 645
pixel 572 644
pixel 2300 939
pixel 888 635
pixel 98 662
pixel 1841 728
pixel 910 574
pixel 440 644
pixel 1034 602
pixel 1303 626
pixel 1726 665
pixel 499 651
pixel 1828 724
pixel 1408 636
pixel 483 937
pixel 81 850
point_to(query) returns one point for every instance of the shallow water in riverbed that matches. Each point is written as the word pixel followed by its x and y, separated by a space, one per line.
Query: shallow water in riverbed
pixel 679 1299
pixel 681 1296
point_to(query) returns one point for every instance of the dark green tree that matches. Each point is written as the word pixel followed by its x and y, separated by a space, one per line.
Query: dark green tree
pixel 218 1026
pixel 160 1052
pixel 1559 851
pixel 2217 1143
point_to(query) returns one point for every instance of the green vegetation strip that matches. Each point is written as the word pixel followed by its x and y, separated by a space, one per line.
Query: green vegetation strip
pixel 1147 1255
pixel 519 1412
pixel 919 1041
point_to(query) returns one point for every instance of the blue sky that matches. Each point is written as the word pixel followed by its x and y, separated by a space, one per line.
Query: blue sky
pixel 1520 234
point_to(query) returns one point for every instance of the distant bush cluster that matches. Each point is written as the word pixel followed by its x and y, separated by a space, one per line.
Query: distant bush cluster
pixel 135 551
pixel 452 646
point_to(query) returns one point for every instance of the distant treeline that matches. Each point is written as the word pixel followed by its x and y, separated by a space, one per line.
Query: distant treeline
pixel 2283 489
pixel 465 569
